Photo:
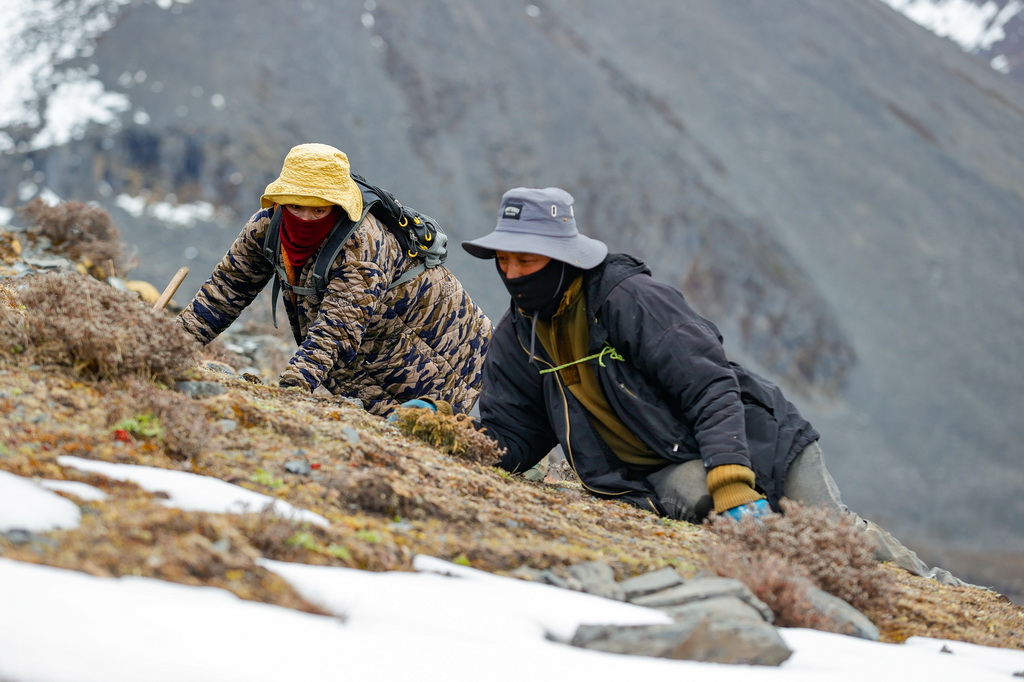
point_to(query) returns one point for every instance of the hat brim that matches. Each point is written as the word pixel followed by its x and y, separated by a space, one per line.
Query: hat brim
pixel 347 196
pixel 578 250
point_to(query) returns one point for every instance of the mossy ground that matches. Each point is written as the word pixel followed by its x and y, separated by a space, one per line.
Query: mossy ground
pixel 388 497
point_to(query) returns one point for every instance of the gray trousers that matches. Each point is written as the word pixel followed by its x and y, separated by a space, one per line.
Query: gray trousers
pixel 683 490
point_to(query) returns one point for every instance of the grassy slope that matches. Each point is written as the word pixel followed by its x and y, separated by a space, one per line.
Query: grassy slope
pixel 388 497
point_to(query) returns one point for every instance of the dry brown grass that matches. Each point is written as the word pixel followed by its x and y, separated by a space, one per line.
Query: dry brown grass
pixel 68 319
pixel 388 498
pixel 83 233
pixel 810 543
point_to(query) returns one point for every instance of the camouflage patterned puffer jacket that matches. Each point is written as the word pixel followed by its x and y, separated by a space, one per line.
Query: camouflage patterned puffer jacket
pixel 424 338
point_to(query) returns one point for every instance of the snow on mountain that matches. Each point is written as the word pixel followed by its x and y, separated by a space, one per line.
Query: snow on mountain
pixel 43 89
pixel 974 26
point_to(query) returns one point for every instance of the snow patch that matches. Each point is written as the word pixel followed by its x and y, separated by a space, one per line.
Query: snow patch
pixel 50 511
pixel 973 26
pixel 192 492
pixel 171 214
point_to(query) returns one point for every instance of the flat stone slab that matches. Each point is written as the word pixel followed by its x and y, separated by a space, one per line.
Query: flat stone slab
pixel 719 608
pixel 706 640
pixel 655 581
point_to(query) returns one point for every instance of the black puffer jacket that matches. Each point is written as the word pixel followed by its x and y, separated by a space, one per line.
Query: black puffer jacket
pixel 675 390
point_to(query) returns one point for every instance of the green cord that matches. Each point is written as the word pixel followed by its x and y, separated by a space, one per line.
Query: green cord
pixel 607 350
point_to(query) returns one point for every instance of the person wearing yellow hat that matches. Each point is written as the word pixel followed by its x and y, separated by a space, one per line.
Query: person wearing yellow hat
pixel 370 333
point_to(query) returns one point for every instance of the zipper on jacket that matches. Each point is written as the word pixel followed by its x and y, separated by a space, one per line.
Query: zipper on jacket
pixel 568 430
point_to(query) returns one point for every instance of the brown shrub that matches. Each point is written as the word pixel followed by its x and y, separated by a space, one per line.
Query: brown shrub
pixel 72 320
pixel 813 542
pixel 782 586
pixel 452 434
pixel 384 492
pixel 80 232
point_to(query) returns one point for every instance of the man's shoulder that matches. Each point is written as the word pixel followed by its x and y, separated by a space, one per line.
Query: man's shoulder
pixel 618 271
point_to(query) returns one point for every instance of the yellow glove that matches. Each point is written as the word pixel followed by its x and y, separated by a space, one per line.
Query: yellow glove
pixel 732 485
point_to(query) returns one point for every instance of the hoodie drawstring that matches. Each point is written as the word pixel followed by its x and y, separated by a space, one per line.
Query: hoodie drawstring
pixel 608 350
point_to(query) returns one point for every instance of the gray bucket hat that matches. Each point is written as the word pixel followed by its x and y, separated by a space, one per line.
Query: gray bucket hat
pixel 539 221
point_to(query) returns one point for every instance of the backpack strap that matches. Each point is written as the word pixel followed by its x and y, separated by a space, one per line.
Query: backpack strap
pixel 401 221
pixel 409 274
pixel 336 242
pixel 341 231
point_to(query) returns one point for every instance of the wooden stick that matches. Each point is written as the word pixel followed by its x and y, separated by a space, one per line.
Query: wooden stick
pixel 171 288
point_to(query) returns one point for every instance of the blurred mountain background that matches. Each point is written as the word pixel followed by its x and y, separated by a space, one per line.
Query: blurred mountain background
pixel 839 186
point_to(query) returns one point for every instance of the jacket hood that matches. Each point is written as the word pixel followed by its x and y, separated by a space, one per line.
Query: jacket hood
pixel 606 276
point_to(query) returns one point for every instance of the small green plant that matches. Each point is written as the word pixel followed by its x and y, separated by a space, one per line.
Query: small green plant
pixel 305 540
pixel 339 552
pixel 462 560
pixel 370 536
pixel 266 478
pixel 141 426
pixel 452 434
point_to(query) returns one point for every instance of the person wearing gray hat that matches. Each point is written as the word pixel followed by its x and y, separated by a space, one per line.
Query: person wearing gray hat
pixel 617 368
pixel 596 356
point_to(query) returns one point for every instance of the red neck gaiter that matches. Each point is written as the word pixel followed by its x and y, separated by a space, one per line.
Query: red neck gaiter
pixel 301 238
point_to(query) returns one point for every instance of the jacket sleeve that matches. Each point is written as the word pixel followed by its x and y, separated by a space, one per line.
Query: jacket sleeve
pixel 236 281
pixel 357 282
pixel 512 405
pixel 681 354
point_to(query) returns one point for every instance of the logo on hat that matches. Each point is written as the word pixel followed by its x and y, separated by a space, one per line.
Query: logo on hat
pixel 512 211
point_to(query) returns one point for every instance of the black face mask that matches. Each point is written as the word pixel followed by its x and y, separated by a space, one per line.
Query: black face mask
pixel 541 292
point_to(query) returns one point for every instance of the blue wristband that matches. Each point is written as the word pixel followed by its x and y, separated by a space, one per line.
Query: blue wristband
pixel 755 510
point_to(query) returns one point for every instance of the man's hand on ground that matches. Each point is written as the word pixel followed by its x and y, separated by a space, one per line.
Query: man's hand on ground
pixel 754 510
pixel 416 403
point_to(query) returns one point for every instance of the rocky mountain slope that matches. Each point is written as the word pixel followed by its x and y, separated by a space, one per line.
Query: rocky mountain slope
pixel 838 189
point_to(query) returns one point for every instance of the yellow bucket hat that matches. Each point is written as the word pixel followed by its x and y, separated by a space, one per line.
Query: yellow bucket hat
pixel 315 175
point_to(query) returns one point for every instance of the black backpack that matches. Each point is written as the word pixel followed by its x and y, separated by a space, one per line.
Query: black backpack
pixel 417 233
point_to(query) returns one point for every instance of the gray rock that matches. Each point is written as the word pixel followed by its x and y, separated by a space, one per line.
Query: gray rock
pixel 226 425
pixel 221 367
pixel 298 466
pixel 538 576
pixel 737 642
pixel 655 581
pixel 598 578
pixel 201 389
pixel 700 589
pixel 719 608
pixel 838 616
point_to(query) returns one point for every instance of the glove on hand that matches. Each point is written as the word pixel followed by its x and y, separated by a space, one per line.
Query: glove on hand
pixel 732 485
pixel 756 510
pixel 415 402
